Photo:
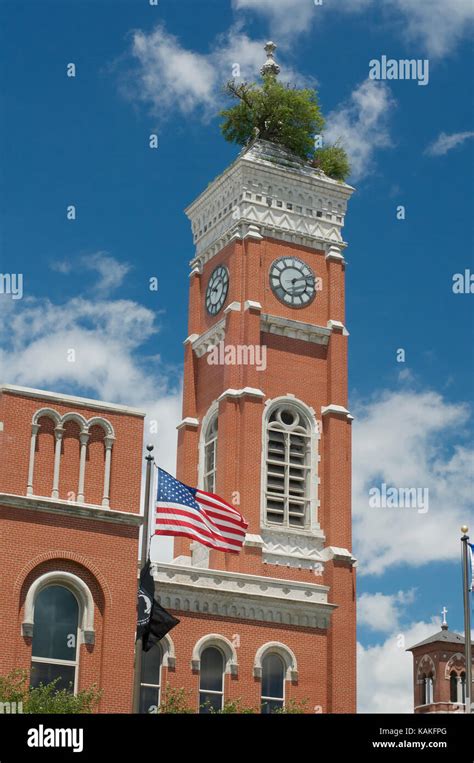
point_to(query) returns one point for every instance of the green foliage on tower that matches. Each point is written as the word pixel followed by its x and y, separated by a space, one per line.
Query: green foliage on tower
pixel 284 115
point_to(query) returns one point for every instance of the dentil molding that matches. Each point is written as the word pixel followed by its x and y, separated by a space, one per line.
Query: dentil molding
pixel 251 597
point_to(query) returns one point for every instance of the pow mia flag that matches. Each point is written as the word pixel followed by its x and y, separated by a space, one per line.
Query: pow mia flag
pixel 153 622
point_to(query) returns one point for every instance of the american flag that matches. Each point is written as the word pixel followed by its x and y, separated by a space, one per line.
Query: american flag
pixel 204 517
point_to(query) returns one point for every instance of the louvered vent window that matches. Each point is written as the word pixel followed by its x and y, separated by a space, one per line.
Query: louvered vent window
pixel 210 456
pixel 288 465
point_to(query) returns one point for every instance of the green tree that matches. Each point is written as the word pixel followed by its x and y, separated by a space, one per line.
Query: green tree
pixel 333 161
pixel 46 698
pixel 287 116
pixel 174 701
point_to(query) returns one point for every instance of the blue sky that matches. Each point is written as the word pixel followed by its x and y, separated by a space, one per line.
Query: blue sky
pixel 142 69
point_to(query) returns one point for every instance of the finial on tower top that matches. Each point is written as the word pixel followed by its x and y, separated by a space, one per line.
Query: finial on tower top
pixel 444 624
pixel 270 66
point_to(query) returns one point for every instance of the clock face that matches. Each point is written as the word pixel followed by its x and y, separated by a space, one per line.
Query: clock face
pixel 292 281
pixel 217 289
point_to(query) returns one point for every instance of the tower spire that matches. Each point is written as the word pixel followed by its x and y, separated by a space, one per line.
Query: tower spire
pixel 270 66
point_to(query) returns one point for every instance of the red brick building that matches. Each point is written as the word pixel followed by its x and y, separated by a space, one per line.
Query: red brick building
pixel 439 673
pixel 70 474
pixel 266 426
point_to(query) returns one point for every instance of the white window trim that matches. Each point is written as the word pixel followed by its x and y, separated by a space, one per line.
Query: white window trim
pixel 200 553
pixel 287 655
pixel 82 592
pixel 212 411
pixel 52 661
pixel 222 643
pixel 159 685
pixel 313 524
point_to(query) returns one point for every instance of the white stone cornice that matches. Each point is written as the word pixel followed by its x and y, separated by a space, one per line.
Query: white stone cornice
pixel 69 509
pixel 71 400
pixel 252 231
pixel 333 553
pixel 338 326
pixel 246 391
pixel 243 596
pixel 190 339
pixel 250 304
pixel 201 344
pixel 188 422
pixel 233 307
pixel 334 254
pixel 253 541
pixel 307 332
pixel 336 410
pixel 268 191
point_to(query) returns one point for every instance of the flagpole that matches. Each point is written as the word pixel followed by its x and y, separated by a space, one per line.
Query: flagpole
pixel 143 555
pixel 467 617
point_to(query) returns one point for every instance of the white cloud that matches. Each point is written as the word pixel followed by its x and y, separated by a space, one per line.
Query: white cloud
pixel 438 25
pixel 410 439
pixel 385 671
pixel 169 77
pixel 445 142
pixel 381 612
pixel 361 125
pixel 287 18
pixel 111 272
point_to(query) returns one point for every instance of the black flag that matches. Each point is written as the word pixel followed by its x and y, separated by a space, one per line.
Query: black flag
pixel 153 621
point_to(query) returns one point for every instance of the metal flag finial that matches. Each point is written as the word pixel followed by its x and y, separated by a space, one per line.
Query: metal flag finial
pixel 270 66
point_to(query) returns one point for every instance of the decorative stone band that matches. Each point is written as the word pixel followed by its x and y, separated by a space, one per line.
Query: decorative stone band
pixel 272 324
pixel 209 339
pixel 268 191
pixel 298 550
pixel 237 595
pixel 69 509
pixel 307 332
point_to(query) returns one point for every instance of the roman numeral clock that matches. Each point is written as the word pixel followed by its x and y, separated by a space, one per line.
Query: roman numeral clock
pixel 217 289
pixel 292 281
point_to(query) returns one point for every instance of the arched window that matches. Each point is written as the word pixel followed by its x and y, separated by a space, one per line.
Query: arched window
pixel 211 682
pixel 54 653
pixel 210 455
pixel 463 688
pixel 151 679
pixel 273 682
pixel 453 687
pixel 288 467
pixel 427 689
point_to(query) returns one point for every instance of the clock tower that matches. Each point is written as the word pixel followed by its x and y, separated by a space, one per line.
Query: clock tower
pixel 266 426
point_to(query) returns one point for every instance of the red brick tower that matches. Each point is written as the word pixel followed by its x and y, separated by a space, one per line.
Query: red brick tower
pixel 439 672
pixel 266 426
pixel 70 475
